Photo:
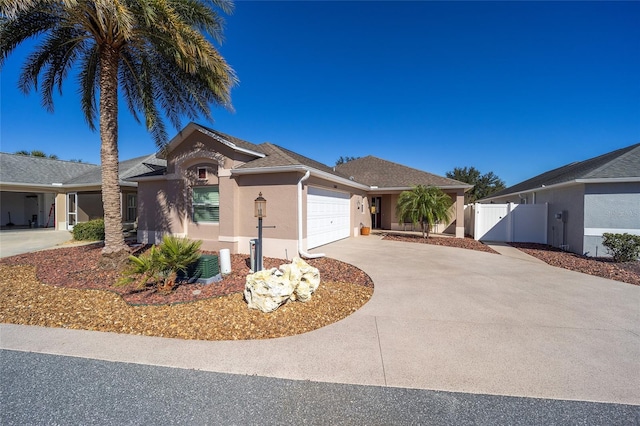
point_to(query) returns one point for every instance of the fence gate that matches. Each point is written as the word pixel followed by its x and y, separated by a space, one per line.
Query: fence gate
pixel 522 223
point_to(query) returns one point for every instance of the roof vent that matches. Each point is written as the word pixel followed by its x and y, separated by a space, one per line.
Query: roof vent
pixel 351 178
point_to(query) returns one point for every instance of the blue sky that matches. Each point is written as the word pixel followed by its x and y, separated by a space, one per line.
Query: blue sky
pixel 516 88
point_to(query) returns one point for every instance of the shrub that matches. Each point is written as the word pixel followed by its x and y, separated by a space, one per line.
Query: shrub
pixel 161 264
pixel 623 247
pixel 89 231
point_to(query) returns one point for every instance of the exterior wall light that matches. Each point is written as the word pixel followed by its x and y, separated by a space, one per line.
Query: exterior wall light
pixel 260 211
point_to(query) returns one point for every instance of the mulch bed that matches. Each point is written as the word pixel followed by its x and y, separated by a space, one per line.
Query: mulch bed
pixel 465 243
pixel 628 272
pixel 77 267
pixel 66 288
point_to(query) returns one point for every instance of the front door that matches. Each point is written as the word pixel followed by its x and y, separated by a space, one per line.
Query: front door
pixel 72 210
pixel 376 216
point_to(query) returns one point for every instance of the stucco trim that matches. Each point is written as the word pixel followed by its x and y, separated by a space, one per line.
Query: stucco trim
pixel 300 168
pixel 597 232
pixel 227 239
pixel 192 127
pixel 230 144
pixel 51 187
pixel 384 189
pixel 609 180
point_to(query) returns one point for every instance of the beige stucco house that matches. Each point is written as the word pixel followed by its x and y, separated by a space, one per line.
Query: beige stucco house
pixel 211 180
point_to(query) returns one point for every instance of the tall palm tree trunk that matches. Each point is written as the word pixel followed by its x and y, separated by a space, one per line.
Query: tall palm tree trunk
pixel 114 238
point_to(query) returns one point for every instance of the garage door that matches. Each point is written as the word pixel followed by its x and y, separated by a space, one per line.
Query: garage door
pixel 328 216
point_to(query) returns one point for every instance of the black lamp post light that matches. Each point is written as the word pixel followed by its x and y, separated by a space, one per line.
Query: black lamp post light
pixel 260 211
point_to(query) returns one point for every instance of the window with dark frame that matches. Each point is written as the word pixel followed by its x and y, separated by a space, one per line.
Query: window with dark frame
pixel 202 172
pixel 132 207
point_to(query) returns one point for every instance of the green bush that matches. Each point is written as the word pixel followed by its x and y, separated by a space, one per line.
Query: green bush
pixel 623 247
pixel 89 231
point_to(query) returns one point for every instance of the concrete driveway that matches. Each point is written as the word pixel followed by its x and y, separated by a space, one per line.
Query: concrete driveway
pixel 18 241
pixel 441 318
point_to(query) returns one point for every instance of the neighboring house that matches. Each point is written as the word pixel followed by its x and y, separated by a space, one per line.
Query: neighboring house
pixel 208 189
pixel 586 199
pixel 41 192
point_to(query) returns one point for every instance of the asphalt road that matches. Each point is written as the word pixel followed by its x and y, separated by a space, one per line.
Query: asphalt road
pixel 38 389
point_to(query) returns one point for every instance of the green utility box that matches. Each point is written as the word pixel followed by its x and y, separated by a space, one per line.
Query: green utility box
pixel 205 270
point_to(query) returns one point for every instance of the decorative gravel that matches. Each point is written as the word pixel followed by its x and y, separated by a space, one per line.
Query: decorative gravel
pixel 66 288
pixel 465 243
pixel 628 272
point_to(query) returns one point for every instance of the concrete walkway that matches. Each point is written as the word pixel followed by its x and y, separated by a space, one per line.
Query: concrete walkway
pixel 440 318
pixel 510 251
pixel 18 241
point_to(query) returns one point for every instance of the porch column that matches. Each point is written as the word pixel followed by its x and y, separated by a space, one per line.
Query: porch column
pixel 460 213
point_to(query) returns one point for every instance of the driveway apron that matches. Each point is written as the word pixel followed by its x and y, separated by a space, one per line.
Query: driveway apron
pixel 18 241
pixel 440 318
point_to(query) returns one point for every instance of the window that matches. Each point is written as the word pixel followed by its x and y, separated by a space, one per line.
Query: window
pixel 206 204
pixel 202 172
pixel 132 207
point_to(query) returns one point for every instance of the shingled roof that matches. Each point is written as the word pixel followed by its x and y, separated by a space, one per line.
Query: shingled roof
pixel 376 172
pixel 368 171
pixel 37 171
pixel 25 169
pixel 126 169
pixel 619 164
pixel 277 156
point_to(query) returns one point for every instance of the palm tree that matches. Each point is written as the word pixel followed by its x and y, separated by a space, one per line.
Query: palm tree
pixel 36 153
pixel 425 206
pixel 155 52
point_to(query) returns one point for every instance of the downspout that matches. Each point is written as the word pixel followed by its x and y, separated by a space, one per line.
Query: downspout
pixel 300 249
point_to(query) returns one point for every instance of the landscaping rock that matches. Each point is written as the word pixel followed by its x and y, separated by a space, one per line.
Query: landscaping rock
pixel 307 278
pixel 269 289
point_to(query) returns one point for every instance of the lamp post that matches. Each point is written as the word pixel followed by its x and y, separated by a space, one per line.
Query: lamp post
pixel 260 211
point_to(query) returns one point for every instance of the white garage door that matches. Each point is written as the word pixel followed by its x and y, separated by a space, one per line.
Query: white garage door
pixel 328 216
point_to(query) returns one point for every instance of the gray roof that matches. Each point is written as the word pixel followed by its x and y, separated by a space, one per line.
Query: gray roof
pixel 127 169
pixel 370 171
pixel 277 156
pixel 619 164
pixel 25 169
pixel 374 171
pixel 37 171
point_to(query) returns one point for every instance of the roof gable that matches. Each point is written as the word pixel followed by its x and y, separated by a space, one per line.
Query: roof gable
pixel 231 141
pixel 376 172
pixel 618 164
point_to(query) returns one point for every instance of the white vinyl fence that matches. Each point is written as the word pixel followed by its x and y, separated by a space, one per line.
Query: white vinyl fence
pixel 522 223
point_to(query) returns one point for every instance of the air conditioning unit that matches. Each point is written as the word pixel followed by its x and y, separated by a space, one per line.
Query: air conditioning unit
pixel 205 270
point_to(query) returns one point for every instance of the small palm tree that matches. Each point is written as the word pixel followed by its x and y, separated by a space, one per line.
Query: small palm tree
pixel 161 264
pixel 425 206
pixel 154 51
